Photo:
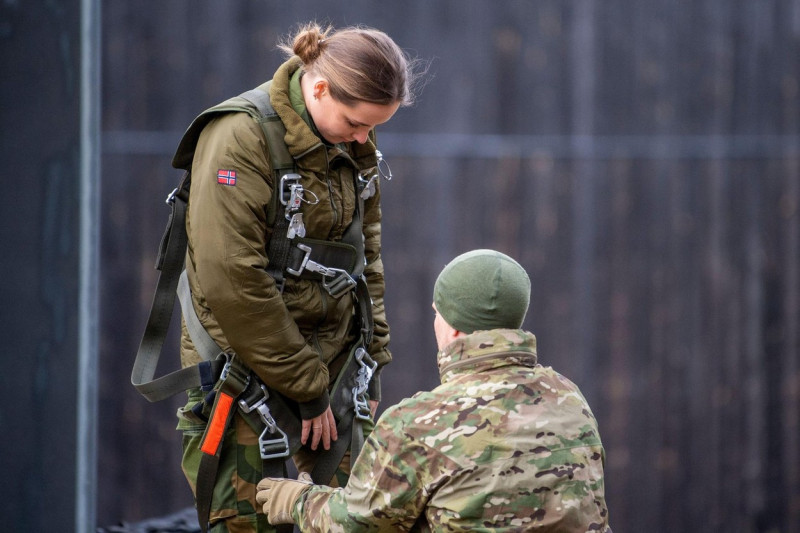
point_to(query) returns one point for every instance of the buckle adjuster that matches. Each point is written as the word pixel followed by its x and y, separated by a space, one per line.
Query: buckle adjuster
pixel 269 448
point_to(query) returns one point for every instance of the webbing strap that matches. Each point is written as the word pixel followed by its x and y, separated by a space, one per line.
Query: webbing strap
pixel 279 249
pixel 172 251
pixel 344 410
pixel 234 381
pixel 364 302
pixel 282 163
pixel 203 343
pixel 327 462
pixel 272 126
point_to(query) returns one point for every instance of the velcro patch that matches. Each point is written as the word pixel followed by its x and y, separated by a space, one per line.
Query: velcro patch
pixel 226 177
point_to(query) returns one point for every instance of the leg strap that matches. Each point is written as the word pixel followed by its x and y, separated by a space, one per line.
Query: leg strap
pixel 233 382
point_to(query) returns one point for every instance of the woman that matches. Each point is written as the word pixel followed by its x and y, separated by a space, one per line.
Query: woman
pixel 294 334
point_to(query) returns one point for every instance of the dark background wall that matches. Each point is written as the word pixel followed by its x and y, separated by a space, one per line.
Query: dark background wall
pixel 640 159
pixel 49 214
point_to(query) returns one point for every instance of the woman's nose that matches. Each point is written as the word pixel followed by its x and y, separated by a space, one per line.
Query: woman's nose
pixel 360 135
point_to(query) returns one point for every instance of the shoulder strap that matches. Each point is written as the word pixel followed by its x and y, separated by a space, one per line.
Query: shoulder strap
pixel 172 252
pixel 254 102
pixel 273 128
pixel 282 162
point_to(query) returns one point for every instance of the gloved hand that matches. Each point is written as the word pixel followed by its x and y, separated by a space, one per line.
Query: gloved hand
pixel 277 496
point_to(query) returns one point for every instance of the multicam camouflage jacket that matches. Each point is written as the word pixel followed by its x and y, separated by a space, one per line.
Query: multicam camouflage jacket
pixel 503 444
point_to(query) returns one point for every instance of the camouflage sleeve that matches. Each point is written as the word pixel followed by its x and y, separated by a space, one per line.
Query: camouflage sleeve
pixel 389 487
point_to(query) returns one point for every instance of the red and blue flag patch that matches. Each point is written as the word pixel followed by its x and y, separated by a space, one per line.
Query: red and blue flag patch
pixel 226 177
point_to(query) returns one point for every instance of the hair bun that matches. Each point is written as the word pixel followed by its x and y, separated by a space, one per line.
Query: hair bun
pixel 308 43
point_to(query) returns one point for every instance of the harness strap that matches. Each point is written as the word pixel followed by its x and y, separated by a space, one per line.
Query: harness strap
pixel 347 402
pixel 234 380
pixel 172 251
pixel 282 163
pixel 205 345
pixel 364 302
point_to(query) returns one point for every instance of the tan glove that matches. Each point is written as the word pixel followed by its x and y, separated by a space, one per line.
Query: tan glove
pixel 277 496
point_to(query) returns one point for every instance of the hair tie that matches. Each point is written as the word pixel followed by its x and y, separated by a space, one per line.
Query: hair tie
pixel 321 42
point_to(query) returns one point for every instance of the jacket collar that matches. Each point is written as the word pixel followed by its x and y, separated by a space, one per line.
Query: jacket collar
pixel 484 350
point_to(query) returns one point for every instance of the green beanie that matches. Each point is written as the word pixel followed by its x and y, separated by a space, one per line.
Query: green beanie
pixel 482 289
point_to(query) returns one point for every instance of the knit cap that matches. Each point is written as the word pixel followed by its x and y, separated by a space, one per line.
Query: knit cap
pixel 482 289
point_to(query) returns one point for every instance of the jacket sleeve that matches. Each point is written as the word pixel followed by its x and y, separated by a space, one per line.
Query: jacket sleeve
pixel 373 272
pixel 227 227
pixel 388 489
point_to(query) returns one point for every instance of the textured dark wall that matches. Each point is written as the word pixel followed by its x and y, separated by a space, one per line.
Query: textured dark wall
pixel 640 159
pixel 39 265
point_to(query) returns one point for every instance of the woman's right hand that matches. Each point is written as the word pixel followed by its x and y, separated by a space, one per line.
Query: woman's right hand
pixel 320 428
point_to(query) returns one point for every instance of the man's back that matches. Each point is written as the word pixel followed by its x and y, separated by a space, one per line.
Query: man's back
pixel 503 443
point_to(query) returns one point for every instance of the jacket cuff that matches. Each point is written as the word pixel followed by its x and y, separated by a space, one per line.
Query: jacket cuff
pixel 374 388
pixel 315 407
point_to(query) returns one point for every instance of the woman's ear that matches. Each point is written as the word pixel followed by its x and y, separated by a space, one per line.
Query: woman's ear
pixel 320 88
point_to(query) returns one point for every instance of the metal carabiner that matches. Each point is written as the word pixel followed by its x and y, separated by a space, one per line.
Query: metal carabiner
pixel 365 371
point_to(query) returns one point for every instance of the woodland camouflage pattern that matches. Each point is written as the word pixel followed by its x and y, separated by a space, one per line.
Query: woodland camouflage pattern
pixel 232 505
pixel 504 444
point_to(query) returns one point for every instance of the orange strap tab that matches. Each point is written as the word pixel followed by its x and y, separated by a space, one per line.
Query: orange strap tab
pixel 216 426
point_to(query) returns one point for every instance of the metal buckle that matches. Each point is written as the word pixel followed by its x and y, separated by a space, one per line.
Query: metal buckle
pixel 365 371
pixel 242 378
pixel 286 192
pixel 340 280
pixel 307 249
pixel 269 448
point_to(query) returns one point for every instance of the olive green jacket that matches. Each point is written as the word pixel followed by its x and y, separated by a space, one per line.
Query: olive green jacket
pixel 295 341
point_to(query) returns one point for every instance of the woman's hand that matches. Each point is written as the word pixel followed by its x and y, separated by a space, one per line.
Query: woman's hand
pixel 321 428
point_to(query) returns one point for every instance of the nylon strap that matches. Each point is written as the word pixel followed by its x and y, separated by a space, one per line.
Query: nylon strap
pixel 172 252
pixel 203 343
pixel 282 162
pixel 233 383
pixel 344 411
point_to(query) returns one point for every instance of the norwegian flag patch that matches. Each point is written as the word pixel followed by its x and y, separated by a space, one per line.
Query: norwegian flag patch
pixel 226 177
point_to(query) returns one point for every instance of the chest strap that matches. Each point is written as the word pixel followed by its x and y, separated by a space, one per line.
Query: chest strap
pixel 337 265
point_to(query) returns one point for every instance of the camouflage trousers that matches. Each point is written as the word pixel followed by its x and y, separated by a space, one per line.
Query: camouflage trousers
pixel 233 504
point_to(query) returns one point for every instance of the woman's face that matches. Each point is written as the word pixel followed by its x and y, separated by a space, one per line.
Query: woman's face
pixel 338 122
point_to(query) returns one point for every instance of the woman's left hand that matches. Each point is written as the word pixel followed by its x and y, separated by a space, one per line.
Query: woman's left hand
pixel 321 428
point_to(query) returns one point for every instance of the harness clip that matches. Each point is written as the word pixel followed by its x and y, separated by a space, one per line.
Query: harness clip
pixel 269 448
pixel 288 183
pixel 365 371
pixel 340 280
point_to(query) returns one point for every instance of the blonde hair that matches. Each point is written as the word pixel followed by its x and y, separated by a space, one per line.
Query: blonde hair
pixel 360 64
